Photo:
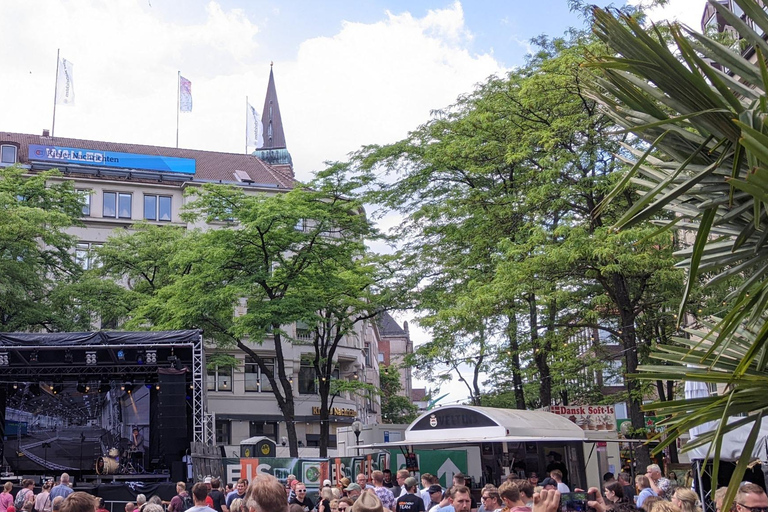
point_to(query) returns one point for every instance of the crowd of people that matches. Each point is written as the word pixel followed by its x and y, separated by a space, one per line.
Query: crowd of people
pixel 651 492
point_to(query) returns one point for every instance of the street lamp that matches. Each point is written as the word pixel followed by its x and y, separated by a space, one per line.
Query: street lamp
pixel 357 427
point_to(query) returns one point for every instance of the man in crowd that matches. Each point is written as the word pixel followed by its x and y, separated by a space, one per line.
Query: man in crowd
pixel 130 507
pixel 362 481
pixel 384 494
pixel 177 502
pixel 301 498
pixel 79 502
pixel 555 461
pixel 199 495
pixel 388 479
pixel 533 478
pixel 461 500
pixel 626 483
pixel 409 502
pixel 510 496
pixel 239 492
pixel 63 489
pixel 751 498
pixel 265 494
pixel 426 483
pixel 549 484
pixel 353 491
pixel 217 497
pixel 460 480
pixel 491 500
pixel 402 474
pixel 557 476
pixel 659 484
pixel 435 494
pixel 56 503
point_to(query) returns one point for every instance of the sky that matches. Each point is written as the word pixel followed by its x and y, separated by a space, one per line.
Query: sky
pixel 348 73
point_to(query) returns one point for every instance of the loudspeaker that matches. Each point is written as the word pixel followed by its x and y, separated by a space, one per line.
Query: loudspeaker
pixel 178 471
pixel 168 410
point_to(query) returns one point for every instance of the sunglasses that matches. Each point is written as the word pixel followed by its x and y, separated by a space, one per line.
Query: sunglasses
pixel 343 508
pixel 301 491
pixel 753 509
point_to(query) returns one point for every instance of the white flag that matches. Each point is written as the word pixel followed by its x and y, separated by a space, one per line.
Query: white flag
pixel 255 135
pixel 65 86
pixel 185 94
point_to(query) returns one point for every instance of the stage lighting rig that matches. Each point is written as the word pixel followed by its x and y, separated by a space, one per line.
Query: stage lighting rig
pixel 4 361
pixel 151 357
pixel 90 358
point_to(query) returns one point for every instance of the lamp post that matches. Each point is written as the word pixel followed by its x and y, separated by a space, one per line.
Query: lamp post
pixel 357 427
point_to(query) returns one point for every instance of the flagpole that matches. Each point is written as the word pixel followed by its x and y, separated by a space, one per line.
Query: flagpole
pixel 246 124
pixel 55 92
pixel 178 106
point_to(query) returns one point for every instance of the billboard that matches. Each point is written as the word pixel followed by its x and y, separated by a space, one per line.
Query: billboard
pixel 588 417
pixel 110 159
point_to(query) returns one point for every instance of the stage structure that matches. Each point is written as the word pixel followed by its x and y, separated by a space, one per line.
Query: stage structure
pixel 119 398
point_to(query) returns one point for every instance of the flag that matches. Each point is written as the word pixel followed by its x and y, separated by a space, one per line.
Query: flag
pixel 65 86
pixel 253 128
pixel 185 94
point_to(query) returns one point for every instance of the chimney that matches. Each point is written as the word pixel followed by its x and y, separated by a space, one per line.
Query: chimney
pixel 46 132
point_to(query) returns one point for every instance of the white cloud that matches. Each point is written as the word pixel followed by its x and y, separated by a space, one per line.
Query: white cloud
pixel 687 12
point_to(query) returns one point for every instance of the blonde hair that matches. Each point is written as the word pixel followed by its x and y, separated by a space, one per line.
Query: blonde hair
pixel 236 505
pixel 689 501
pixel 8 487
pixel 664 506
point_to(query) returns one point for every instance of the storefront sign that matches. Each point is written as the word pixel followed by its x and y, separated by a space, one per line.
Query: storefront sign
pixel 588 417
pixel 336 411
pixel 111 159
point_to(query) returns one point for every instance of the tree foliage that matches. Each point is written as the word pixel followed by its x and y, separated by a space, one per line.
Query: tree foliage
pixel 705 163
pixel 37 257
pixel 395 408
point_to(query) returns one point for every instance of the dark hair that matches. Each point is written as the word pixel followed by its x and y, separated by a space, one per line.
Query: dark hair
pixel 215 483
pixel 200 491
pixel 509 491
pixel 616 488
pixel 459 489
pixel 526 488
pixel 608 476
pixel 387 471
pixel 627 507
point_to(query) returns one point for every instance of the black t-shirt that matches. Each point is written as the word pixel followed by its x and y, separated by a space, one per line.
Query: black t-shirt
pixel 629 493
pixel 218 499
pixel 409 503
pixel 307 504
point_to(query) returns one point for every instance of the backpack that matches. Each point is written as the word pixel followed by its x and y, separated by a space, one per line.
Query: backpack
pixel 21 498
pixel 186 502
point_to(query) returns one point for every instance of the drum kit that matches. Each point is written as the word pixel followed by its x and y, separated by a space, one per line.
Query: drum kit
pixel 115 463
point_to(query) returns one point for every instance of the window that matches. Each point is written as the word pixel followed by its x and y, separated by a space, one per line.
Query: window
pixel 262 428
pixel 157 208
pixel 300 225
pixel 307 384
pixel 85 199
pixel 381 357
pixel 85 255
pixel 220 379
pixel 222 432
pixel 8 154
pixel 117 205
pixel 367 355
pixel 255 380
pixel 613 374
pixel 303 332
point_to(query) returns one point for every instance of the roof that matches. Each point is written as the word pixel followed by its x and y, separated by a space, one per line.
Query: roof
pixel 418 394
pixel 456 423
pixel 388 326
pixel 209 165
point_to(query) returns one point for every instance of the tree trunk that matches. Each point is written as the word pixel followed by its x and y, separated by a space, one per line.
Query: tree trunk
pixel 629 344
pixel 325 426
pixel 514 347
pixel 539 355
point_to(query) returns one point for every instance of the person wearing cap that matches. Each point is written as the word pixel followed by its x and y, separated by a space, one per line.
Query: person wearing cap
pixel 353 491
pixel 435 494
pixel 368 502
pixel 409 502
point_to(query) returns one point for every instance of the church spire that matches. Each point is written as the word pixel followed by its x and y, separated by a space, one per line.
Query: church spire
pixel 274 150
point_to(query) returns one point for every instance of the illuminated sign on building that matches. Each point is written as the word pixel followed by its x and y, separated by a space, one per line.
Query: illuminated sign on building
pixel 111 159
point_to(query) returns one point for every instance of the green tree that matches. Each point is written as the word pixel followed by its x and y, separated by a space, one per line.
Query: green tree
pixel 499 193
pixel 395 408
pixel 37 255
pixel 284 258
pixel 705 161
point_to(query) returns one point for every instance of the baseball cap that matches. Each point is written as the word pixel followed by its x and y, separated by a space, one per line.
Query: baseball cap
pixel 207 480
pixel 435 488
pixel 548 481
pixel 326 483
pixel 353 487
pixel 410 482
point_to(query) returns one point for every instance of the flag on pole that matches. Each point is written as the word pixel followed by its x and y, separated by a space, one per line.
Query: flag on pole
pixel 253 128
pixel 185 94
pixel 65 86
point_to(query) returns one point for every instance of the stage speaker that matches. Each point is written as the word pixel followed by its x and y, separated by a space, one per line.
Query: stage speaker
pixel 168 425
pixel 178 471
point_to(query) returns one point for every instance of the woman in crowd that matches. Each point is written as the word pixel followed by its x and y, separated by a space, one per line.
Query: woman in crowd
pixel 614 493
pixel 6 498
pixel 686 500
pixel 43 500
pixel 644 491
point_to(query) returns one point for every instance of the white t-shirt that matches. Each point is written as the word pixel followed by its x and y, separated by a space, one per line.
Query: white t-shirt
pixel 561 487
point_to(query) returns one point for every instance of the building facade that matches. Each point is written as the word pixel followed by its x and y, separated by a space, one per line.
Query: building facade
pixel 124 183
